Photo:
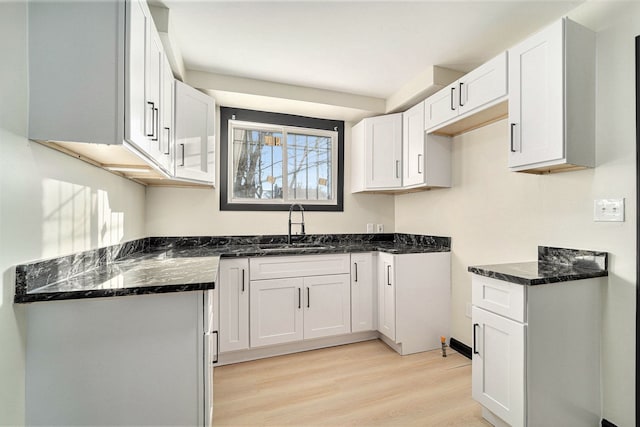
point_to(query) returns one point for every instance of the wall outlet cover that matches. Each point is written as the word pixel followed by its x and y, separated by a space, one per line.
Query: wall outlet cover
pixel 379 228
pixel 370 228
pixel 608 210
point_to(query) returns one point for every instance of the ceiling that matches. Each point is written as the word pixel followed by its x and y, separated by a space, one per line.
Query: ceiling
pixel 358 47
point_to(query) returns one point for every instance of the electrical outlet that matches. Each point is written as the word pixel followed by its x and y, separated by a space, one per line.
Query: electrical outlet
pixel 370 228
pixel 379 228
pixel 608 210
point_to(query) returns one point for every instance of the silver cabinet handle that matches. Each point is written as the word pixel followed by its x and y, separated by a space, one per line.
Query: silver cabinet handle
pixel 299 298
pixel 460 95
pixel 156 124
pixel 397 168
pixel 419 162
pixel 355 264
pixel 152 105
pixel 182 148
pixel 389 275
pixel 453 91
pixel 168 140
pixel 513 125
pixel 243 280
pixel 308 297
pixel 217 347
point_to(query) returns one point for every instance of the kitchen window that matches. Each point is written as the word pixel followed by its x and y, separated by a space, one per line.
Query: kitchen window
pixel 270 160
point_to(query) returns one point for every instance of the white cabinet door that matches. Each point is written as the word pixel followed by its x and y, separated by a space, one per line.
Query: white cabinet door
pixel 483 85
pixel 498 376
pixel 383 152
pixel 194 155
pixel 153 85
pixel 386 296
pixel 441 106
pixel 327 306
pixel 138 109
pixel 536 109
pixel 276 314
pixel 363 291
pixel 413 146
pixel 166 120
pixel 234 304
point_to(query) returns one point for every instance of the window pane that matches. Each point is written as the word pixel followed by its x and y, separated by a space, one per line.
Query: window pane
pixel 309 167
pixel 257 164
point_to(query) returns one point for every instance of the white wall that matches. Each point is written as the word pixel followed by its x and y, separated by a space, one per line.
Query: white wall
pixel 194 212
pixel 50 205
pixel 495 216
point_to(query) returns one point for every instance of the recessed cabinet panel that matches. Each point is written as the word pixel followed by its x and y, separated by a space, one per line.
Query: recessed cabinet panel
pixel 498 376
pixel 552 100
pixel 536 105
pixel 328 306
pixel 440 107
pixel 234 304
pixel 194 156
pixel 413 141
pixel 383 152
pixel 363 293
pixel 276 314
pixel 483 85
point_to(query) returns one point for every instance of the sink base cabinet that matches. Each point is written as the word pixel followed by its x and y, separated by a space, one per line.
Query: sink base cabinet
pixel 134 360
pixel 520 354
pixel 414 292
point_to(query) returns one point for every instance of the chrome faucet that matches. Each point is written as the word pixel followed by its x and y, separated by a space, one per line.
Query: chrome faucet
pixel 296 223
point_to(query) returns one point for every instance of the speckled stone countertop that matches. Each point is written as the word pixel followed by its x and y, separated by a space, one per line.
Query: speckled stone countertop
pixel 554 265
pixel 178 264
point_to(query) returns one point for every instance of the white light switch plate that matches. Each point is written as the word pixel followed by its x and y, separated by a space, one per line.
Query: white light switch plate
pixel 608 210
pixel 370 228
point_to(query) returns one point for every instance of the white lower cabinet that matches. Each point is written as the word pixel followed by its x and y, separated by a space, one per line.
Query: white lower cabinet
pixel 234 304
pixel 363 292
pixel 498 365
pixel 119 361
pixel 414 296
pixel 276 311
pixel 525 338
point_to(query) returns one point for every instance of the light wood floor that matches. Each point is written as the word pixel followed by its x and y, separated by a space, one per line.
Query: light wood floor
pixel 363 384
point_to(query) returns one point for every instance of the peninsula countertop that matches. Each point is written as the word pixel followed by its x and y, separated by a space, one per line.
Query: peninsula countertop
pixel 553 265
pixel 180 264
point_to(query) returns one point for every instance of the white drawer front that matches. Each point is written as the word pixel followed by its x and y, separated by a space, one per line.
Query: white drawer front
pixel 298 266
pixel 503 298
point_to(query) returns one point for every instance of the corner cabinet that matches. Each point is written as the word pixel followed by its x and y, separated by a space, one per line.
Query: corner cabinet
pixel 194 157
pixel 101 90
pixel 392 154
pixel 514 373
pixel 377 153
pixel 552 100
pixel 414 297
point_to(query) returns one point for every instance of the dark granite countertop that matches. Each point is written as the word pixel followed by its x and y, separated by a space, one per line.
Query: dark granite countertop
pixel 554 265
pixel 177 264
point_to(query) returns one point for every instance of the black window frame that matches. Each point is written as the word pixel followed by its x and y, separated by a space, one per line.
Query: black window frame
pixel 230 113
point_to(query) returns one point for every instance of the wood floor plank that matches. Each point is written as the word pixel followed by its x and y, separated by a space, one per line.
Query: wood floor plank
pixel 363 384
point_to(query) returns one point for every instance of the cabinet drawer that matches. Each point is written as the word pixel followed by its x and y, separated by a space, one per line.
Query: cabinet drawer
pixel 298 266
pixel 503 298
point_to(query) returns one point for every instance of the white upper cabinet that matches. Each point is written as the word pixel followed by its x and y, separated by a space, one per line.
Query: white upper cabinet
pixel 100 87
pixel 377 153
pixel 194 154
pixel 391 154
pixel 413 146
pixel 474 92
pixel 426 157
pixel 552 100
